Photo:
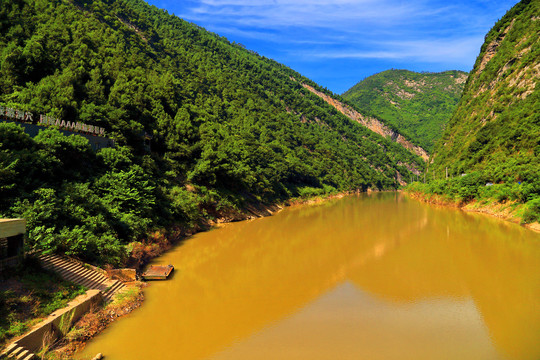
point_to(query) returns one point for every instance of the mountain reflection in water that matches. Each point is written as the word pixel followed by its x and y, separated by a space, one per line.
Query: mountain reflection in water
pixel 365 277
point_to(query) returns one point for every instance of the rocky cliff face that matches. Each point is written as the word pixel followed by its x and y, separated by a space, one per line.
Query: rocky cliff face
pixel 371 123
pixel 496 127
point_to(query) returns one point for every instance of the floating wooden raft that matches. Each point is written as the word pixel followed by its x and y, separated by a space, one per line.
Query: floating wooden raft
pixel 157 272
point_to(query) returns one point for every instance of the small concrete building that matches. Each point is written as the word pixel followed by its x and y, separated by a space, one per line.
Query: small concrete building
pixel 11 242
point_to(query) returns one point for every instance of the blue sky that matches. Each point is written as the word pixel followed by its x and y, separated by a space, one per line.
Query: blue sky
pixel 337 43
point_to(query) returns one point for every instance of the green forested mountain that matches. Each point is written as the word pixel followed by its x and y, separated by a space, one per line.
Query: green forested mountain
pixel 494 134
pixel 418 104
pixel 228 127
pixel 497 124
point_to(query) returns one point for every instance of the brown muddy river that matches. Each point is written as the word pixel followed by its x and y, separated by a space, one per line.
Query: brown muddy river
pixel 365 277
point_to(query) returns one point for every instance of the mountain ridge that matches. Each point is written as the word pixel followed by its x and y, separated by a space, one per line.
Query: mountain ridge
pixel 418 104
pixel 202 126
pixel 500 100
pixel 489 154
pixel 371 123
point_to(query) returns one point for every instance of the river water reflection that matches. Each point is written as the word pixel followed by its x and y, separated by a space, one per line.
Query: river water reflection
pixel 365 277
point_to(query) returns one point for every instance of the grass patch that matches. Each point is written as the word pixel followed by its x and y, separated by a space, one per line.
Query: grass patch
pixel 94 321
pixel 28 294
pixel 127 296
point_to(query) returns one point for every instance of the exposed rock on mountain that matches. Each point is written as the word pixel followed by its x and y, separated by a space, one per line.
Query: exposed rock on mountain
pixel 418 104
pixel 496 127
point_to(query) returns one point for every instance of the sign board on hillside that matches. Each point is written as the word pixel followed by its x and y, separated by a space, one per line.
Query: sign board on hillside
pixel 44 120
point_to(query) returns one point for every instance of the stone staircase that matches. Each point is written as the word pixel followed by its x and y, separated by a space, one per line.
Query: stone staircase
pixel 82 274
pixel 74 271
pixel 14 351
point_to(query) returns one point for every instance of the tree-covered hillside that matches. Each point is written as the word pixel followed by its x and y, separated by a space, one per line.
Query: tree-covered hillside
pixel 228 127
pixel 494 135
pixel 497 124
pixel 418 104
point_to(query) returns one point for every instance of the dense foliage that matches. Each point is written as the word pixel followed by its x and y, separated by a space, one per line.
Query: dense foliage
pixel 476 186
pixel 495 131
pixel 418 104
pixel 228 127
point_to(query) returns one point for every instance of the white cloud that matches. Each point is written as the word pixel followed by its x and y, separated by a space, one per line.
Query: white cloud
pixel 344 15
pixel 416 30
pixel 457 50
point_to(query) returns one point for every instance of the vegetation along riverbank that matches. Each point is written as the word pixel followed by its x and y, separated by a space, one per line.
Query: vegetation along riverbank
pixel 27 295
pixel 95 321
pixel 23 294
pixel 200 130
pixel 510 210
pixel 488 158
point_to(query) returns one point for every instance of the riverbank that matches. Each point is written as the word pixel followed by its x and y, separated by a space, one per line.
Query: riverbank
pixel 28 295
pixel 97 320
pixel 272 279
pixel 262 210
pixel 510 210
pixel 158 243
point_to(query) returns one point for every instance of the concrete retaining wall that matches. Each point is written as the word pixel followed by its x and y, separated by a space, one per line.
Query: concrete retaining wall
pixel 59 322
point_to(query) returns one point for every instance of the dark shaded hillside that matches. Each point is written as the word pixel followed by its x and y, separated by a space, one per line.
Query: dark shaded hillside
pixel 418 104
pixel 229 127
pixel 494 134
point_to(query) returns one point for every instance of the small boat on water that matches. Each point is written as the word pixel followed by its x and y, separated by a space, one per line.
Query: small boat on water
pixel 157 272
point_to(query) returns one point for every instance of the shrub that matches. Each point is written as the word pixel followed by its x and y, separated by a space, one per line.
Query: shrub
pixel 532 212
pixel 307 191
